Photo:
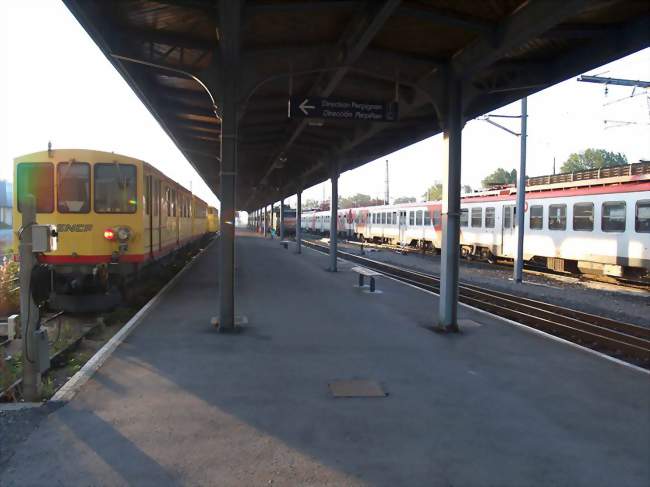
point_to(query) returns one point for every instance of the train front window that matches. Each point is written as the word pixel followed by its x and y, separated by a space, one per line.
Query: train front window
pixel 583 217
pixel 115 188
pixel 613 217
pixel 557 217
pixel 73 187
pixel 37 179
pixel 642 221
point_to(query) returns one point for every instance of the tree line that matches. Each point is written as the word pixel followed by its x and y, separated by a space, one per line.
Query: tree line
pixel 578 161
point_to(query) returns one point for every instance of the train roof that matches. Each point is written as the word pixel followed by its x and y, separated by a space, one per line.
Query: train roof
pixel 630 174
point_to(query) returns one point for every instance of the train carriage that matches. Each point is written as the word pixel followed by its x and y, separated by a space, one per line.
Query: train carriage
pixel 590 221
pixel 113 215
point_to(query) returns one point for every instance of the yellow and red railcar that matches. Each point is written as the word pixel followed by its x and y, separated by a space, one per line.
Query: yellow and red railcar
pixel 213 219
pixel 114 215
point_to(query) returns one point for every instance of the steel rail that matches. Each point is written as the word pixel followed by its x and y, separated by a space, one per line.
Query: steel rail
pixel 623 340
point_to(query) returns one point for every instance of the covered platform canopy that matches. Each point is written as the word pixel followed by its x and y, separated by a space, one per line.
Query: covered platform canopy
pixel 218 75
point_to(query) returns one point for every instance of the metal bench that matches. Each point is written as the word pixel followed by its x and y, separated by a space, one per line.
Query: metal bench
pixel 363 273
pixel 284 243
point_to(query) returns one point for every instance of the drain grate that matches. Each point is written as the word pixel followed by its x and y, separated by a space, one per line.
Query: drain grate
pixel 356 388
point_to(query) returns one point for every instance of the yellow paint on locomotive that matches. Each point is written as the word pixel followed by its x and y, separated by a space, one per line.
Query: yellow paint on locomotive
pixel 213 219
pixel 75 190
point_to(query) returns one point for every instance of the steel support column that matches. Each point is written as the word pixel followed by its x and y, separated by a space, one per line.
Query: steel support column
pixel 230 21
pixel 521 193
pixel 298 221
pixel 334 204
pixel 448 306
pixel 281 218
pixel 264 224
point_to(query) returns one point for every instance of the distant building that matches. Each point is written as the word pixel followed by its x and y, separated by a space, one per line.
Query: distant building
pixel 6 203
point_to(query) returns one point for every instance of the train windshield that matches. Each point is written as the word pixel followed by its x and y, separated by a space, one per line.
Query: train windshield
pixel 36 179
pixel 115 188
pixel 73 187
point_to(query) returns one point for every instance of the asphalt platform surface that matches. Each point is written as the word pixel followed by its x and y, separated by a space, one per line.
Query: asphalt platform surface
pixel 179 404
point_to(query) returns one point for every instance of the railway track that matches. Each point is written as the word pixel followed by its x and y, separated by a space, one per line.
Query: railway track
pixel 624 341
pixel 13 390
pixel 529 267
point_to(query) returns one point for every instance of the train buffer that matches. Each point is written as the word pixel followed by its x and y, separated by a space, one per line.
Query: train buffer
pixel 284 243
pixel 363 273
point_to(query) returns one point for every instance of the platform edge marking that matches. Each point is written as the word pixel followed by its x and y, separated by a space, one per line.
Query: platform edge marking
pixel 74 384
pixel 535 331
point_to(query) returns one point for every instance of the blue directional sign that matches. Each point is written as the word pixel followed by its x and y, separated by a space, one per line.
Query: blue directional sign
pixel 328 108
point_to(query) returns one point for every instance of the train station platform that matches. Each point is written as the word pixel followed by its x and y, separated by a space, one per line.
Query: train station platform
pixel 179 404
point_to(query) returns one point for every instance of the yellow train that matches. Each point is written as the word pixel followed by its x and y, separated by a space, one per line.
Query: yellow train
pixel 114 216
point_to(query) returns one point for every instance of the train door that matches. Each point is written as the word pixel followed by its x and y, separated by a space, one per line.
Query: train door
pixel 148 198
pixel 160 208
pixel 508 230
pixel 402 226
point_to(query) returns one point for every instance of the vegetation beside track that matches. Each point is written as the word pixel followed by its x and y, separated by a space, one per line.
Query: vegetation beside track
pixel 75 339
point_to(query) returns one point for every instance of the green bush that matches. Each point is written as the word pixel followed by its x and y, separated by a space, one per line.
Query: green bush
pixel 9 295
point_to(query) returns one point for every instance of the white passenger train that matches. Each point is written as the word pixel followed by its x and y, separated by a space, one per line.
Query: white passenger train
pixel 590 221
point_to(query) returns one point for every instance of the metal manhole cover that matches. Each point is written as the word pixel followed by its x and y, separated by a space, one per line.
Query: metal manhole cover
pixel 356 388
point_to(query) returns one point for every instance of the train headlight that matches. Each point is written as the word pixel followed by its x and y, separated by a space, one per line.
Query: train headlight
pixel 109 234
pixel 123 234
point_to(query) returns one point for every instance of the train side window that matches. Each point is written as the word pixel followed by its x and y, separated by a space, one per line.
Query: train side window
pixel 37 179
pixel 394 218
pixel 147 195
pixel 507 216
pixel 557 217
pixel 436 218
pixel 115 188
pixel 490 217
pixel 427 218
pixel 156 195
pixel 477 217
pixel 418 218
pixel 642 220
pixel 464 216
pixel 73 187
pixel 411 218
pixel 583 217
pixel 383 217
pixel 613 216
pixel 536 217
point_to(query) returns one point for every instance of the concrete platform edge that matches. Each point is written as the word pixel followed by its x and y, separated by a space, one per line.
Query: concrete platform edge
pixel 72 386
pixel 536 332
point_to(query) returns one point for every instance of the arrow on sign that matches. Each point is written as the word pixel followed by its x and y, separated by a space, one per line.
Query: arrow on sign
pixel 303 106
